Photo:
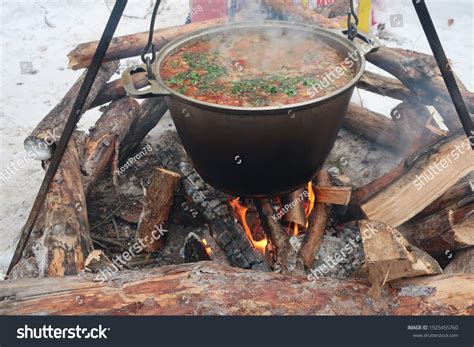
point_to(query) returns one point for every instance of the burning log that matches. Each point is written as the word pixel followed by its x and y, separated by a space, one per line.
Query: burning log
pixel 296 213
pixel 105 138
pixel 373 126
pixel 207 288
pixel 318 220
pixel 158 200
pixel 133 44
pixel 286 260
pixel 195 250
pixel 212 205
pixel 447 230
pixel 42 139
pixel 463 262
pixel 389 256
pixel 405 191
pixel 65 243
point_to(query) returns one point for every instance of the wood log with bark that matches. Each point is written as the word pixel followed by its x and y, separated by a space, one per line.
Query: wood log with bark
pixel 65 242
pixel 318 220
pixel 42 139
pixel 132 45
pixel 207 288
pixel 463 262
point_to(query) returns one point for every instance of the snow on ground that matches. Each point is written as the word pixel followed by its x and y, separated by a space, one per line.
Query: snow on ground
pixel 44 31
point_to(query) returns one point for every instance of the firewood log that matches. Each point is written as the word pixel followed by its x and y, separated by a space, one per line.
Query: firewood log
pixel 318 220
pixel 207 288
pixel 42 139
pixel 444 231
pixel 333 195
pixel 373 126
pixel 158 201
pixel 386 86
pixel 286 261
pixel 295 214
pixel 133 44
pixel 65 243
pixel 389 256
pixel 463 262
pixel 406 190
pixel 105 138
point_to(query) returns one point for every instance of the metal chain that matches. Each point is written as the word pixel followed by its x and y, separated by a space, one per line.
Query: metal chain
pixel 352 26
pixel 150 48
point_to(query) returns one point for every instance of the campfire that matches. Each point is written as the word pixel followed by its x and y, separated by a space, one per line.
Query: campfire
pixel 390 209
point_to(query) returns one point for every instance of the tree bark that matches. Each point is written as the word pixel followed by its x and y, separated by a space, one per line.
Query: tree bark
pixel 65 243
pixel 207 288
pixel 318 220
pixel 133 44
pixel 43 138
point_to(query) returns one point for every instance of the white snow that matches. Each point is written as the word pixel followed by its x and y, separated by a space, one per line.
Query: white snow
pixel 44 31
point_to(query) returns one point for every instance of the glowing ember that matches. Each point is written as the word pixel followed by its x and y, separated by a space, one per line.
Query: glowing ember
pixel 206 247
pixel 241 213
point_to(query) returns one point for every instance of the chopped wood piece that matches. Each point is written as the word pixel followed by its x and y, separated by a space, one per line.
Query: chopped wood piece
pixel 65 244
pixel 286 261
pixel 295 203
pixel 413 185
pixel 106 136
pixel 97 261
pixel 463 262
pixel 158 201
pixel 133 44
pixel 43 138
pixel 444 231
pixel 318 220
pixel 208 288
pixel 388 256
pixel 333 195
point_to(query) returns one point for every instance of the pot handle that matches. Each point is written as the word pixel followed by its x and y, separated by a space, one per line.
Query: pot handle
pixel 154 89
pixel 371 43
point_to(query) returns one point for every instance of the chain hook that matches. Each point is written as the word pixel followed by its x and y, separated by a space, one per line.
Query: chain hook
pixel 149 47
pixel 352 26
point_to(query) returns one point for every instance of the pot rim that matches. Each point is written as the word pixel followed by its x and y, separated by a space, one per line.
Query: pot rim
pixel 330 33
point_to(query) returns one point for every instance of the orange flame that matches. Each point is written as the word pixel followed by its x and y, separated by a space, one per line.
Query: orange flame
pixel 207 247
pixel 241 213
pixel 309 206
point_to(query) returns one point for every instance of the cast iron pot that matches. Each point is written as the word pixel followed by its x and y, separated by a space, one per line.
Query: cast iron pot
pixel 256 151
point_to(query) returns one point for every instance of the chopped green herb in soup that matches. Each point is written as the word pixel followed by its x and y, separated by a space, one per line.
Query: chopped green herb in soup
pixel 256 69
